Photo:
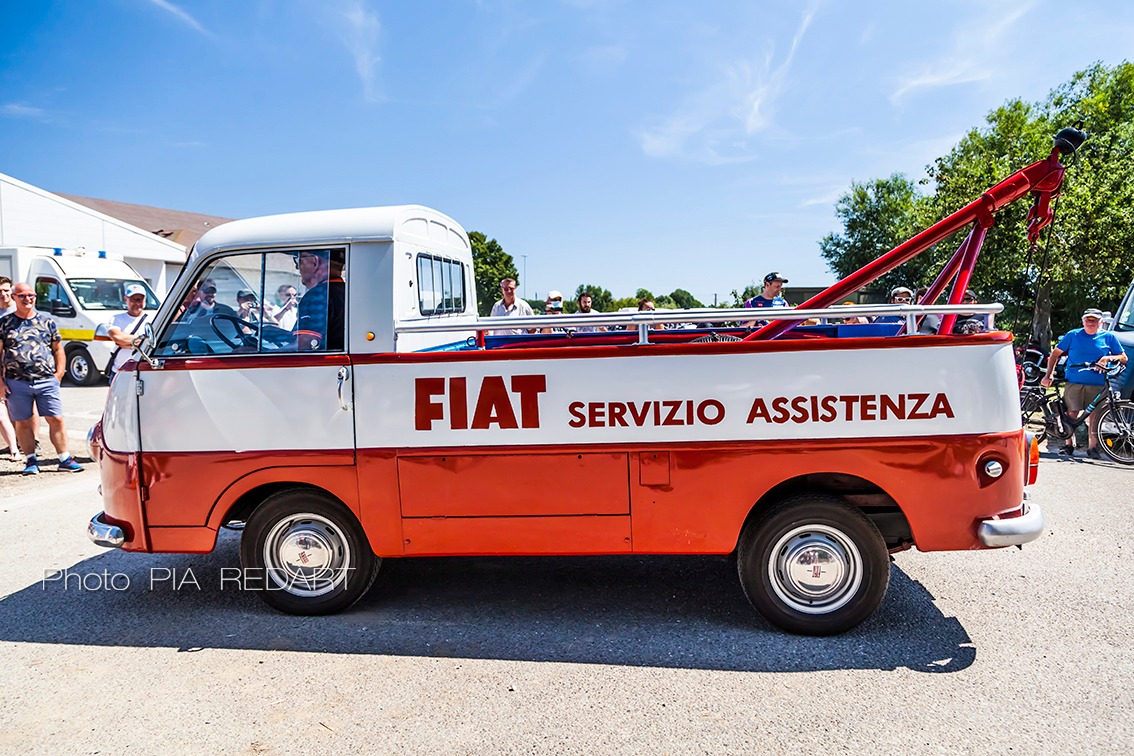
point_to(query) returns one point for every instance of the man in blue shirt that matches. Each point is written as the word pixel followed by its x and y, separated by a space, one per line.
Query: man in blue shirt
pixel 899 295
pixel 1085 345
pixel 769 296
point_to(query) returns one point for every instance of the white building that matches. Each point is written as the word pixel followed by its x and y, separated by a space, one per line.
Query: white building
pixel 32 217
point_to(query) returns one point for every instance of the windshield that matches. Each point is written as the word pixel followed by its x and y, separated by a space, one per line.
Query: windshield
pixel 108 293
pixel 1124 321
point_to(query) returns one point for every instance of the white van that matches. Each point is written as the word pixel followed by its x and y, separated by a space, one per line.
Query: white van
pixel 80 290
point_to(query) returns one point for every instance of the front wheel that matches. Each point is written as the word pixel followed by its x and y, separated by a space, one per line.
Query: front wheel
pixel 306 553
pixel 1116 432
pixel 813 565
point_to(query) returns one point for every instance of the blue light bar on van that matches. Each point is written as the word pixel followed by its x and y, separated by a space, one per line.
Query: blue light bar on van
pixel 58 251
pixel 102 254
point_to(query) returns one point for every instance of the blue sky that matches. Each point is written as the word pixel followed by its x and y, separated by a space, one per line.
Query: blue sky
pixel 657 144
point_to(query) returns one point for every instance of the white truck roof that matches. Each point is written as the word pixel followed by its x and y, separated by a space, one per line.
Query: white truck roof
pixel 335 227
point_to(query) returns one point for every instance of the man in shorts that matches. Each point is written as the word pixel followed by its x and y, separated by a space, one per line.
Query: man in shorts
pixel 1095 347
pixel 31 365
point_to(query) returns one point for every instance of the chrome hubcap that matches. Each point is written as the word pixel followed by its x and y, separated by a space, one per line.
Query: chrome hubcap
pixel 306 555
pixel 815 569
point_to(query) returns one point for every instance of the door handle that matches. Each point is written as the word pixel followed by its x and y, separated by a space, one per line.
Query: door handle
pixel 344 375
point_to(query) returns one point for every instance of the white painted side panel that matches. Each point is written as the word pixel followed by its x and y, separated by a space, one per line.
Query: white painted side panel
pixel 120 416
pixel 977 383
pixel 261 409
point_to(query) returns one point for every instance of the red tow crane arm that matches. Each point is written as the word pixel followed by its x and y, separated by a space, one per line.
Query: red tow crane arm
pixel 1043 179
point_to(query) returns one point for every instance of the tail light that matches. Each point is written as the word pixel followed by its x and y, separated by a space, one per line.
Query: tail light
pixel 1032 468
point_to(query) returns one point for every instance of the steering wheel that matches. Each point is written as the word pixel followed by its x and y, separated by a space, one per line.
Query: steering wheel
pixel 246 339
pixel 269 334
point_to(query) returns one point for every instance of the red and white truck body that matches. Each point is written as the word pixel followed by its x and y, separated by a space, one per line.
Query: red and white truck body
pixel 811 454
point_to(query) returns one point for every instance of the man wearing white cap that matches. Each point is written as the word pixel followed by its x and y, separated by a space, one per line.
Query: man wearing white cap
pixel 126 327
pixel 553 306
pixel 1086 345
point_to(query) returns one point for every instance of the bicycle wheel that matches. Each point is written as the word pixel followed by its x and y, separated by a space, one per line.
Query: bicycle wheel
pixel 1116 432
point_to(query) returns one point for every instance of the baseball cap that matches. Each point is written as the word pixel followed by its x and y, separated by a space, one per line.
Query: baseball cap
pixel 553 294
pixel 900 290
pixel 970 294
pixel 1092 313
pixel 245 294
pixel 774 276
pixel 135 289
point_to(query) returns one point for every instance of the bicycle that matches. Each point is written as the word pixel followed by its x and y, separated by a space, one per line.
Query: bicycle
pixel 1116 421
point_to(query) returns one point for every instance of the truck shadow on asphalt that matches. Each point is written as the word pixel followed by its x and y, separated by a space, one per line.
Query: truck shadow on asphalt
pixel 657 611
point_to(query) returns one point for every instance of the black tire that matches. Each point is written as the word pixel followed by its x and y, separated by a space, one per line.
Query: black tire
pixel 1116 432
pixel 781 558
pixel 305 553
pixel 81 368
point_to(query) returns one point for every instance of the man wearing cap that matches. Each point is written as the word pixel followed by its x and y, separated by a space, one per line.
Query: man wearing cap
pixel 970 322
pixel 509 305
pixel 206 305
pixel 31 365
pixel 898 295
pixel 768 297
pixel 1088 345
pixel 125 328
pixel 553 306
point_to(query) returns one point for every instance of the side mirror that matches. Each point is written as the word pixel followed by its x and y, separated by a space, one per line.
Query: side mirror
pixel 145 344
pixel 102 332
pixel 61 309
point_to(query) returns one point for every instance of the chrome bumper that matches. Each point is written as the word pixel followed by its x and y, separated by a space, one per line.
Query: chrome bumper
pixel 1013 531
pixel 105 534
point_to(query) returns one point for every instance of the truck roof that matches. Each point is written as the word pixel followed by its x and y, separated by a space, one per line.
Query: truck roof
pixel 336 227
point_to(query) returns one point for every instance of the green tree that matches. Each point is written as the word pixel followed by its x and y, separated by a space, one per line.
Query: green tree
pixel 684 299
pixel 1083 260
pixel 490 264
pixel 877 216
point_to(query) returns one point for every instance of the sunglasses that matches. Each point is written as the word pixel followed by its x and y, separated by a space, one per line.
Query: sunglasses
pixel 25 296
pixel 902 299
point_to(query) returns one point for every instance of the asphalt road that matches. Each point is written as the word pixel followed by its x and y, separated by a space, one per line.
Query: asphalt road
pixel 992 651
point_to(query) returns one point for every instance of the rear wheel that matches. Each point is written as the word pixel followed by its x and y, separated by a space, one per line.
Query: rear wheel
pixel 813 565
pixel 306 553
pixel 1116 432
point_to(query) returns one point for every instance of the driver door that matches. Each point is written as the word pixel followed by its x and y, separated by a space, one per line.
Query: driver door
pixel 238 393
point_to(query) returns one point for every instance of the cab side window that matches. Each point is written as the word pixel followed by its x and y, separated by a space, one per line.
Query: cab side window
pixel 252 303
pixel 52 298
pixel 440 285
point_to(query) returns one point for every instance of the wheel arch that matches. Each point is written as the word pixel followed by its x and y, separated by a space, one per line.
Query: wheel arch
pixel 869 498
pixel 243 495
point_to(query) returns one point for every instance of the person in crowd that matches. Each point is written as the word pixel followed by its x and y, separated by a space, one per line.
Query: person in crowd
pixel 247 306
pixel 646 305
pixel 970 322
pixel 125 328
pixel 769 296
pixel 898 295
pixel 286 313
pixel 509 305
pixel 31 365
pixel 854 319
pixel 206 305
pixel 553 306
pixel 320 320
pixel 927 324
pixel 7 432
pixel 7 304
pixel 1086 345
pixel 585 308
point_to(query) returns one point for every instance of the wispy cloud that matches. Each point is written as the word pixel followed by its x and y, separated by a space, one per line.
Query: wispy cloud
pixel 360 33
pixel 715 125
pixel 19 110
pixel 182 15
pixel 976 53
